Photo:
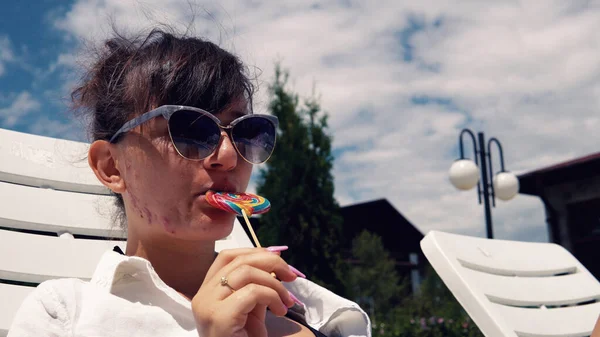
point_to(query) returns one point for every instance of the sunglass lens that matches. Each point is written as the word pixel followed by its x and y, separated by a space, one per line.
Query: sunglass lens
pixel 194 135
pixel 254 138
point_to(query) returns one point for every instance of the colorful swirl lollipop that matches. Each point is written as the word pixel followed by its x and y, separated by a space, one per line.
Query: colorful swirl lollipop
pixel 243 204
pixel 238 202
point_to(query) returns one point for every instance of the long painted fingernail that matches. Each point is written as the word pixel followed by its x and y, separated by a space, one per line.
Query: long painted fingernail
pixel 297 272
pixel 295 299
pixel 277 249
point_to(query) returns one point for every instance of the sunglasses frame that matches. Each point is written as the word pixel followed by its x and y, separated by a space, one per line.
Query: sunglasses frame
pixel 168 110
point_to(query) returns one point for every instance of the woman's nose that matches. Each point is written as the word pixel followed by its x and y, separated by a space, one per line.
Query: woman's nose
pixel 225 156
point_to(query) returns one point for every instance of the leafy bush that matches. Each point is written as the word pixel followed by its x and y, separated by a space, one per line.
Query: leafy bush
pixel 434 312
pixel 433 326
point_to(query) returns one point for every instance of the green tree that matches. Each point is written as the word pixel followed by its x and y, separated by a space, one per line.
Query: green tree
pixel 298 181
pixel 372 278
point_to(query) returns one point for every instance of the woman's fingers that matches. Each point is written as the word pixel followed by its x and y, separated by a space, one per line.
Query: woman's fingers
pixel 253 299
pixel 226 256
pixel 246 275
pixel 269 262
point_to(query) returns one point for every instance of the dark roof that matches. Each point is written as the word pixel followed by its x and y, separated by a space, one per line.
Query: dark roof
pixel 580 168
pixel 399 236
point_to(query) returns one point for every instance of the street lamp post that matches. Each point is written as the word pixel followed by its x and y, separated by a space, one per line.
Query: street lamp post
pixel 465 174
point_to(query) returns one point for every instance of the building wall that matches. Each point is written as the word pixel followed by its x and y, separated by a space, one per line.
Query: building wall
pixel 573 215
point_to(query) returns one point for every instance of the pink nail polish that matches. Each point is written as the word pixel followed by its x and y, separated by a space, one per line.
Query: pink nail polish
pixel 276 249
pixel 295 299
pixel 297 272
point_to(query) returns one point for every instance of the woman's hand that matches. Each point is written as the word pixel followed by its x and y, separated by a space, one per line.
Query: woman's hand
pixel 237 291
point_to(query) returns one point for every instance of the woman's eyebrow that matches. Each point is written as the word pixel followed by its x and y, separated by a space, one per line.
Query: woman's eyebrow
pixel 238 113
pixel 233 115
pixel 227 117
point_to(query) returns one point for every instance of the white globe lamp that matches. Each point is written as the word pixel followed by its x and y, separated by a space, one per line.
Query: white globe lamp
pixel 464 174
pixel 506 185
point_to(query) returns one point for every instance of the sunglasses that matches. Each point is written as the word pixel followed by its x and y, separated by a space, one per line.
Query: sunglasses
pixel 196 133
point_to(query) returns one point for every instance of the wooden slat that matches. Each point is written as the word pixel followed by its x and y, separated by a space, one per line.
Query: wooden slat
pixel 504 270
pixel 510 258
pixel 536 291
pixel 46 162
pixel 559 322
pixel 32 208
pixel 12 296
pixel 36 258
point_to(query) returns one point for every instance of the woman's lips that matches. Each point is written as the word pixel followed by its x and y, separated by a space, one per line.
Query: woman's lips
pixel 224 187
pixel 201 198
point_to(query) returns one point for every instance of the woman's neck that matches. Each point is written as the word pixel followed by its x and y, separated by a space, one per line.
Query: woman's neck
pixel 182 265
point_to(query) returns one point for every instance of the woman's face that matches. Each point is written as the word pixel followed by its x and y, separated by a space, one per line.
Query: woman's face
pixel 165 193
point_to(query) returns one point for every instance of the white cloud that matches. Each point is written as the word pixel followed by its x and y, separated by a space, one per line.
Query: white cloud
pixel 67 60
pixel 6 53
pixel 45 126
pixel 524 72
pixel 23 104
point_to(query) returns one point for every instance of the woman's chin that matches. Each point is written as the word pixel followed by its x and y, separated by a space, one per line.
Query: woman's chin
pixel 211 227
pixel 217 216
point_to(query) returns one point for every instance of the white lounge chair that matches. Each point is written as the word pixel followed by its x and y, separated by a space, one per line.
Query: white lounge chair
pixel 512 288
pixel 59 215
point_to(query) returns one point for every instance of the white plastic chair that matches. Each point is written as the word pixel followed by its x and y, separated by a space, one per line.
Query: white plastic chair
pixel 512 288
pixel 61 213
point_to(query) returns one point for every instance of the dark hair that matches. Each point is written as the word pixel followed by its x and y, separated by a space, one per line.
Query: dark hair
pixel 131 75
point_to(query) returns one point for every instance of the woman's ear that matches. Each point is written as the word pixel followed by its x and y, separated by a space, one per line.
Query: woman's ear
pixel 103 159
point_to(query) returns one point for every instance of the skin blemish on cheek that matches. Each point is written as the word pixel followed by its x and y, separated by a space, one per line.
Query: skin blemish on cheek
pixel 134 201
pixel 167 225
pixel 148 215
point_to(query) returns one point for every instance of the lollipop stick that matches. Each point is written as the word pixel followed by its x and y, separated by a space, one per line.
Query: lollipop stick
pixel 251 230
pixel 254 235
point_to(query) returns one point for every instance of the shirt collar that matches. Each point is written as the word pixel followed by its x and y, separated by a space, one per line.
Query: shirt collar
pixel 114 265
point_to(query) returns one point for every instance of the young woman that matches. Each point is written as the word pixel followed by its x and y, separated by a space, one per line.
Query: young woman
pixel 171 118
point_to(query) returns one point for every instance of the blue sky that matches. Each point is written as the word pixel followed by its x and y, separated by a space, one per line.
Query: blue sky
pixel 399 81
pixel 32 79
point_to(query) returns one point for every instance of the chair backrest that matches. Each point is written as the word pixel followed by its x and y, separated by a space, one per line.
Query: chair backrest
pixel 512 288
pixel 54 217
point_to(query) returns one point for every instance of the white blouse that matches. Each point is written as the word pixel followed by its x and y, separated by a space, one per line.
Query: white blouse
pixel 125 297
